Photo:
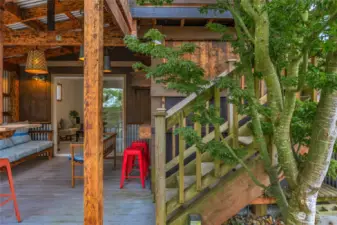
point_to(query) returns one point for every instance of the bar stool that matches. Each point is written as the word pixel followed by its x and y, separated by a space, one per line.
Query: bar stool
pixel 144 147
pixel 11 197
pixel 129 156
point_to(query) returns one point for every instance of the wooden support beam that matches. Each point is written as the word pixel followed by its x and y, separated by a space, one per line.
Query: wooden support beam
pixel 118 17
pixel 160 161
pixel 51 15
pixel 124 6
pixel 93 86
pixel 1 57
pixel 56 39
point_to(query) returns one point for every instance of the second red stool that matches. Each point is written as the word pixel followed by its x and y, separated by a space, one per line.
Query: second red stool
pixel 128 158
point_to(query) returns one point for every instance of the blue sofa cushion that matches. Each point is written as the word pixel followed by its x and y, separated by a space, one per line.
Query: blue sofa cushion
pixel 6 143
pixel 38 145
pixel 15 153
pixel 21 136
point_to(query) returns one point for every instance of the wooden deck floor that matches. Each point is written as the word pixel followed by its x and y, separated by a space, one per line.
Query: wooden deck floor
pixel 46 198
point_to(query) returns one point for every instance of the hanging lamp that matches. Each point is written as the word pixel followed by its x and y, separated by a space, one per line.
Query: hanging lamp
pixel 81 56
pixel 36 62
pixel 107 63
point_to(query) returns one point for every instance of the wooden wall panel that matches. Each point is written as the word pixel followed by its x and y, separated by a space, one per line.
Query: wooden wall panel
pixel 138 103
pixel 212 56
pixel 35 98
pixel 15 98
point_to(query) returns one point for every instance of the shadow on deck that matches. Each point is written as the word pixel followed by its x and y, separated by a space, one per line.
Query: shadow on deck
pixel 45 196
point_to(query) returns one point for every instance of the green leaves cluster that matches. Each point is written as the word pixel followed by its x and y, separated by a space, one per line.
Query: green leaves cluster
pixel 174 71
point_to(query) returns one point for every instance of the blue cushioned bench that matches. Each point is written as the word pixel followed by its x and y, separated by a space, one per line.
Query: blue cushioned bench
pixel 20 147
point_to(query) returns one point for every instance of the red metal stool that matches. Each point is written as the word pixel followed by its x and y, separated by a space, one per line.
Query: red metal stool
pixel 11 197
pixel 145 147
pixel 128 157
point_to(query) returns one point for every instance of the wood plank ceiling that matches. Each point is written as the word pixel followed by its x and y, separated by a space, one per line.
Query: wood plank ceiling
pixel 26 27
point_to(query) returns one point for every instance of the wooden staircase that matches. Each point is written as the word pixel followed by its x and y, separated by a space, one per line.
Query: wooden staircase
pixel 203 185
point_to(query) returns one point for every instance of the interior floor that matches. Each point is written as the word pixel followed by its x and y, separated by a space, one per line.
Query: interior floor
pixel 45 196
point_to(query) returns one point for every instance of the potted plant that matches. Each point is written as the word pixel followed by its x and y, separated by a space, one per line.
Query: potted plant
pixel 73 114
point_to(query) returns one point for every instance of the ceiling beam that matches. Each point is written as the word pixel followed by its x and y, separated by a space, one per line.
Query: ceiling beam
pixel 56 39
pixel 51 15
pixel 186 33
pixel 49 53
pixel 41 11
pixel 118 17
pixel 124 5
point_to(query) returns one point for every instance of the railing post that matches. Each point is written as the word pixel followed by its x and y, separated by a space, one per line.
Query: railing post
pixel 197 128
pixel 182 123
pixel 233 117
pixel 217 103
pixel 160 162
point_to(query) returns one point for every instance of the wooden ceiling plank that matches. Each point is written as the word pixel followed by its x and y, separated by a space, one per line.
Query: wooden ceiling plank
pixel 41 11
pixel 15 10
pixel 118 16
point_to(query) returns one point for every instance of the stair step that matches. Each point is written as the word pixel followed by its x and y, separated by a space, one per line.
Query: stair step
pixel 171 193
pixel 188 180
pixel 246 140
pixel 206 167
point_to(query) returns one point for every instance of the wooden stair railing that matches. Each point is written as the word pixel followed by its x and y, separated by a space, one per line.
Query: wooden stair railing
pixel 185 184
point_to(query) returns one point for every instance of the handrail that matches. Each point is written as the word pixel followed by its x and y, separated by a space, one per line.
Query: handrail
pixel 172 116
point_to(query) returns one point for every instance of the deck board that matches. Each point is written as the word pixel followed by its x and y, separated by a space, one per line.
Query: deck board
pixel 45 196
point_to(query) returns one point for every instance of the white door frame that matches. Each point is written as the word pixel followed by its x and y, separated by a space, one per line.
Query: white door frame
pixel 54 78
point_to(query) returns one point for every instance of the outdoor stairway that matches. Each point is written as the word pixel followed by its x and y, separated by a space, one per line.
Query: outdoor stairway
pixel 195 182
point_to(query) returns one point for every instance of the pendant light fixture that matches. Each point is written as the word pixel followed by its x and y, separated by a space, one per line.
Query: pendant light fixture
pixel 107 63
pixel 81 56
pixel 36 62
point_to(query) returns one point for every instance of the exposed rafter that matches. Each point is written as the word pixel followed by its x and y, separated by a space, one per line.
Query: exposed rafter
pixel 118 16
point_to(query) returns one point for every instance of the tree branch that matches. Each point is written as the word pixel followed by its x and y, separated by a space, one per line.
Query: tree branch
pixel 238 20
pixel 249 171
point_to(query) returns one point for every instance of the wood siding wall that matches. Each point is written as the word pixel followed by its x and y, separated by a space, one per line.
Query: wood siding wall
pixel 138 104
pixel 212 56
pixel 35 98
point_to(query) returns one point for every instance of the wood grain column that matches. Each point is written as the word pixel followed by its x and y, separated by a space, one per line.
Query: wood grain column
pixel 1 56
pixel 93 94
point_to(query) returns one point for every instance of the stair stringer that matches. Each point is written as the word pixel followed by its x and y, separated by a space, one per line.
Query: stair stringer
pixel 227 198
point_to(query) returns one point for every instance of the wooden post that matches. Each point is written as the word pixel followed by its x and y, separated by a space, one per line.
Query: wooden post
pixel 197 128
pixel 160 162
pixel 174 148
pixel 217 102
pixel 93 126
pixel 1 56
pixel 182 123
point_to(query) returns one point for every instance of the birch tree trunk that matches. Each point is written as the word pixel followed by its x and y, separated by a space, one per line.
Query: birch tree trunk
pixel 302 204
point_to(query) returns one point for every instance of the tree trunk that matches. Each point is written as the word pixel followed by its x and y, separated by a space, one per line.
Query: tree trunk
pixel 298 210
pixel 302 205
